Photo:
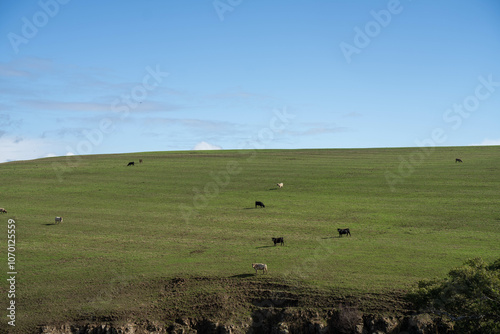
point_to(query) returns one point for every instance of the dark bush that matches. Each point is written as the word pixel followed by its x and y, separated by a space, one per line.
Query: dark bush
pixel 469 296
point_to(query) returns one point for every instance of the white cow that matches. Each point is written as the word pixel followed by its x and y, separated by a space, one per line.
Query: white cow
pixel 259 266
pixel 59 220
pixel 280 185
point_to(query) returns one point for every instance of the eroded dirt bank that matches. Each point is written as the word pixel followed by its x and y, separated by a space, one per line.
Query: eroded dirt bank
pixel 255 305
pixel 271 321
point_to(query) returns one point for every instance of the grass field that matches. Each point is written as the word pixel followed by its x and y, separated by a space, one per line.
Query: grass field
pixel 413 214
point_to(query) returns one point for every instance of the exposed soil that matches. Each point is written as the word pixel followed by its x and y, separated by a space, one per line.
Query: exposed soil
pixel 250 304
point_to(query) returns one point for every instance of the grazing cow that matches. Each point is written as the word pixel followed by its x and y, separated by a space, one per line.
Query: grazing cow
pixel 59 220
pixel 343 231
pixel 458 160
pixel 140 161
pixel 130 163
pixel 259 203
pixel 280 184
pixel 2 210
pixel 278 241
pixel 259 266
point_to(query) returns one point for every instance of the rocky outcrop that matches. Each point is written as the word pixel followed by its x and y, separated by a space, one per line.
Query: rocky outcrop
pixel 276 321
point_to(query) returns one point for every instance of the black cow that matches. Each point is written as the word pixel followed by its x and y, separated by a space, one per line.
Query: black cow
pixel 278 241
pixel 259 203
pixel 458 160
pixel 343 231
pixel 130 163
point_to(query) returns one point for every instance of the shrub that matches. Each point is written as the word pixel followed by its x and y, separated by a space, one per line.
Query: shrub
pixel 469 296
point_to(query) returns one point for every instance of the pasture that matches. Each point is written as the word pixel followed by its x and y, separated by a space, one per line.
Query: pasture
pixel 412 214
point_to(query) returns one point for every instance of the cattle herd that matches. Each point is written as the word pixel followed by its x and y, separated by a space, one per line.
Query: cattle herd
pixel 132 163
pixel 259 204
pixel 281 241
pixel 278 240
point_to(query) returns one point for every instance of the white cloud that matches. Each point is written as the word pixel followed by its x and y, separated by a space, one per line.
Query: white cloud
pixel 206 146
pixel 19 148
pixel 488 142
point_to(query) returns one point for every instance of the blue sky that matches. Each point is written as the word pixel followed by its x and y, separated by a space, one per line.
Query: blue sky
pixel 95 77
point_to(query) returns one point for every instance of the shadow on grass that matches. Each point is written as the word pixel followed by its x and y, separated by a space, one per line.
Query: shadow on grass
pixel 242 276
pixel 50 224
pixel 264 247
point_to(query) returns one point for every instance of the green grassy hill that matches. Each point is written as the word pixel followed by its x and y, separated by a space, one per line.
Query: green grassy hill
pixel 413 213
